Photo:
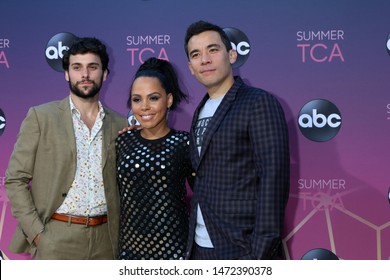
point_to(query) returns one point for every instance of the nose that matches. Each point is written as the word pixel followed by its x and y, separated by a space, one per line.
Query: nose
pixel 85 73
pixel 145 105
pixel 205 58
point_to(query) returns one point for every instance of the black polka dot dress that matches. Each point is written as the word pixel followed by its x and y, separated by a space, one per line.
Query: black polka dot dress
pixel 151 177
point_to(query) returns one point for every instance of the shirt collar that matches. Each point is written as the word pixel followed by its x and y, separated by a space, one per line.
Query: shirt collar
pixel 76 112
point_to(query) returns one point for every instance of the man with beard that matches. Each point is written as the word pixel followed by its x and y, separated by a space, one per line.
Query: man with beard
pixel 61 176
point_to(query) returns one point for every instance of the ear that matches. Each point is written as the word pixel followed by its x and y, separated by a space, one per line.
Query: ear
pixel 67 76
pixel 105 74
pixel 232 56
pixel 190 67
pixel 169 100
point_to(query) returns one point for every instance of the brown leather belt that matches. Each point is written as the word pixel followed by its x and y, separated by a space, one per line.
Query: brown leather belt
pixel 87 221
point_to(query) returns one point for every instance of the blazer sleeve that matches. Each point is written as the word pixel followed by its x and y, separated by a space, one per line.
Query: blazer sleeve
pixel 269 138
pixel 19 174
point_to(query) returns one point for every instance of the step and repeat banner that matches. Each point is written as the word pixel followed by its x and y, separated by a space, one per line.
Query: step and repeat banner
pixel 328 62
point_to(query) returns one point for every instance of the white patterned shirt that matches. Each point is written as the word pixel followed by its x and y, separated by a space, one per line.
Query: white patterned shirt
pixel 86 195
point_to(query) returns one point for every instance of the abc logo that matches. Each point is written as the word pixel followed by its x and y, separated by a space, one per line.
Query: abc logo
pixel 319 120
pixel 131 119
pixel 2 122
pixel 240 43
pixel 388 44
pixel 319 254
pixel 388 195
pixel 56 47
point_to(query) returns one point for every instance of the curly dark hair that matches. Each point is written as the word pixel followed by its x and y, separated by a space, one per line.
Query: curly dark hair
pixel 87 45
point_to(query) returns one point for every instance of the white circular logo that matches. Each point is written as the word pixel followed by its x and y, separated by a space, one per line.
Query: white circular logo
pixel 2 122
pixel 56 47
pixel 240 43
pixel 319 120
pixel 388 44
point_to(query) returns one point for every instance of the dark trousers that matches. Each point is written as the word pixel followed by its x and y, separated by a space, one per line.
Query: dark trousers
pixel 202 253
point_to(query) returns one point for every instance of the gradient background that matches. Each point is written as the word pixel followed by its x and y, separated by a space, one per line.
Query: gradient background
pixel 353 222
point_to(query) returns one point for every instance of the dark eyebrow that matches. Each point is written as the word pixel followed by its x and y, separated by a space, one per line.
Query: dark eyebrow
pixel 208 47
pixel 193 51
pixel 214 46
pixel 154 93
pixel 148 95
pixel 89 64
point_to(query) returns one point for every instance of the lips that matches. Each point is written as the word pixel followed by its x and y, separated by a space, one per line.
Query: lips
pixel 206 71
pixel 146 117
pixel 85 83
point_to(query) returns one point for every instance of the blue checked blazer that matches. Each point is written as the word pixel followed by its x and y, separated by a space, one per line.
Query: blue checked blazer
pixel 242 182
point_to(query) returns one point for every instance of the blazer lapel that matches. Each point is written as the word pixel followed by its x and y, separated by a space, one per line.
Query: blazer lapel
pixel 66 118
pixel 216 120
pixel 107 124
pixel 194 150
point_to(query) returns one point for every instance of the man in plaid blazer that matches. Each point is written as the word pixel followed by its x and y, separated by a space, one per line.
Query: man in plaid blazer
pixel 240 151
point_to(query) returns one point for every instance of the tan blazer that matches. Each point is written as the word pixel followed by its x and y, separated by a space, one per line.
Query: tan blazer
pixel 45 155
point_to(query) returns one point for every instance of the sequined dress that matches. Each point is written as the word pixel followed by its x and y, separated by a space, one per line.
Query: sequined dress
pixel 151 177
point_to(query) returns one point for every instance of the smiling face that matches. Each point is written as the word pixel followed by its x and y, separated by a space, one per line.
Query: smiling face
pixel 150 102
pixel 85 75
pixel 210 62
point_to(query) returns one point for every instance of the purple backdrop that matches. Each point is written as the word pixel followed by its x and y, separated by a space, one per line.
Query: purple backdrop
pixel 299 50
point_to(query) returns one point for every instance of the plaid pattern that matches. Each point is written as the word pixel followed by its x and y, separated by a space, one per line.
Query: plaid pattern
pixel 242 181
pixel 200 253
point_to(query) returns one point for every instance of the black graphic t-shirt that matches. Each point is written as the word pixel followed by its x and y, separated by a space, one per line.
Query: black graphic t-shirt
pixel 205 116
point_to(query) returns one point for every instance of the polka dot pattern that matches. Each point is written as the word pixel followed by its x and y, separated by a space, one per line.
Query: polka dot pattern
pixel 151 177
